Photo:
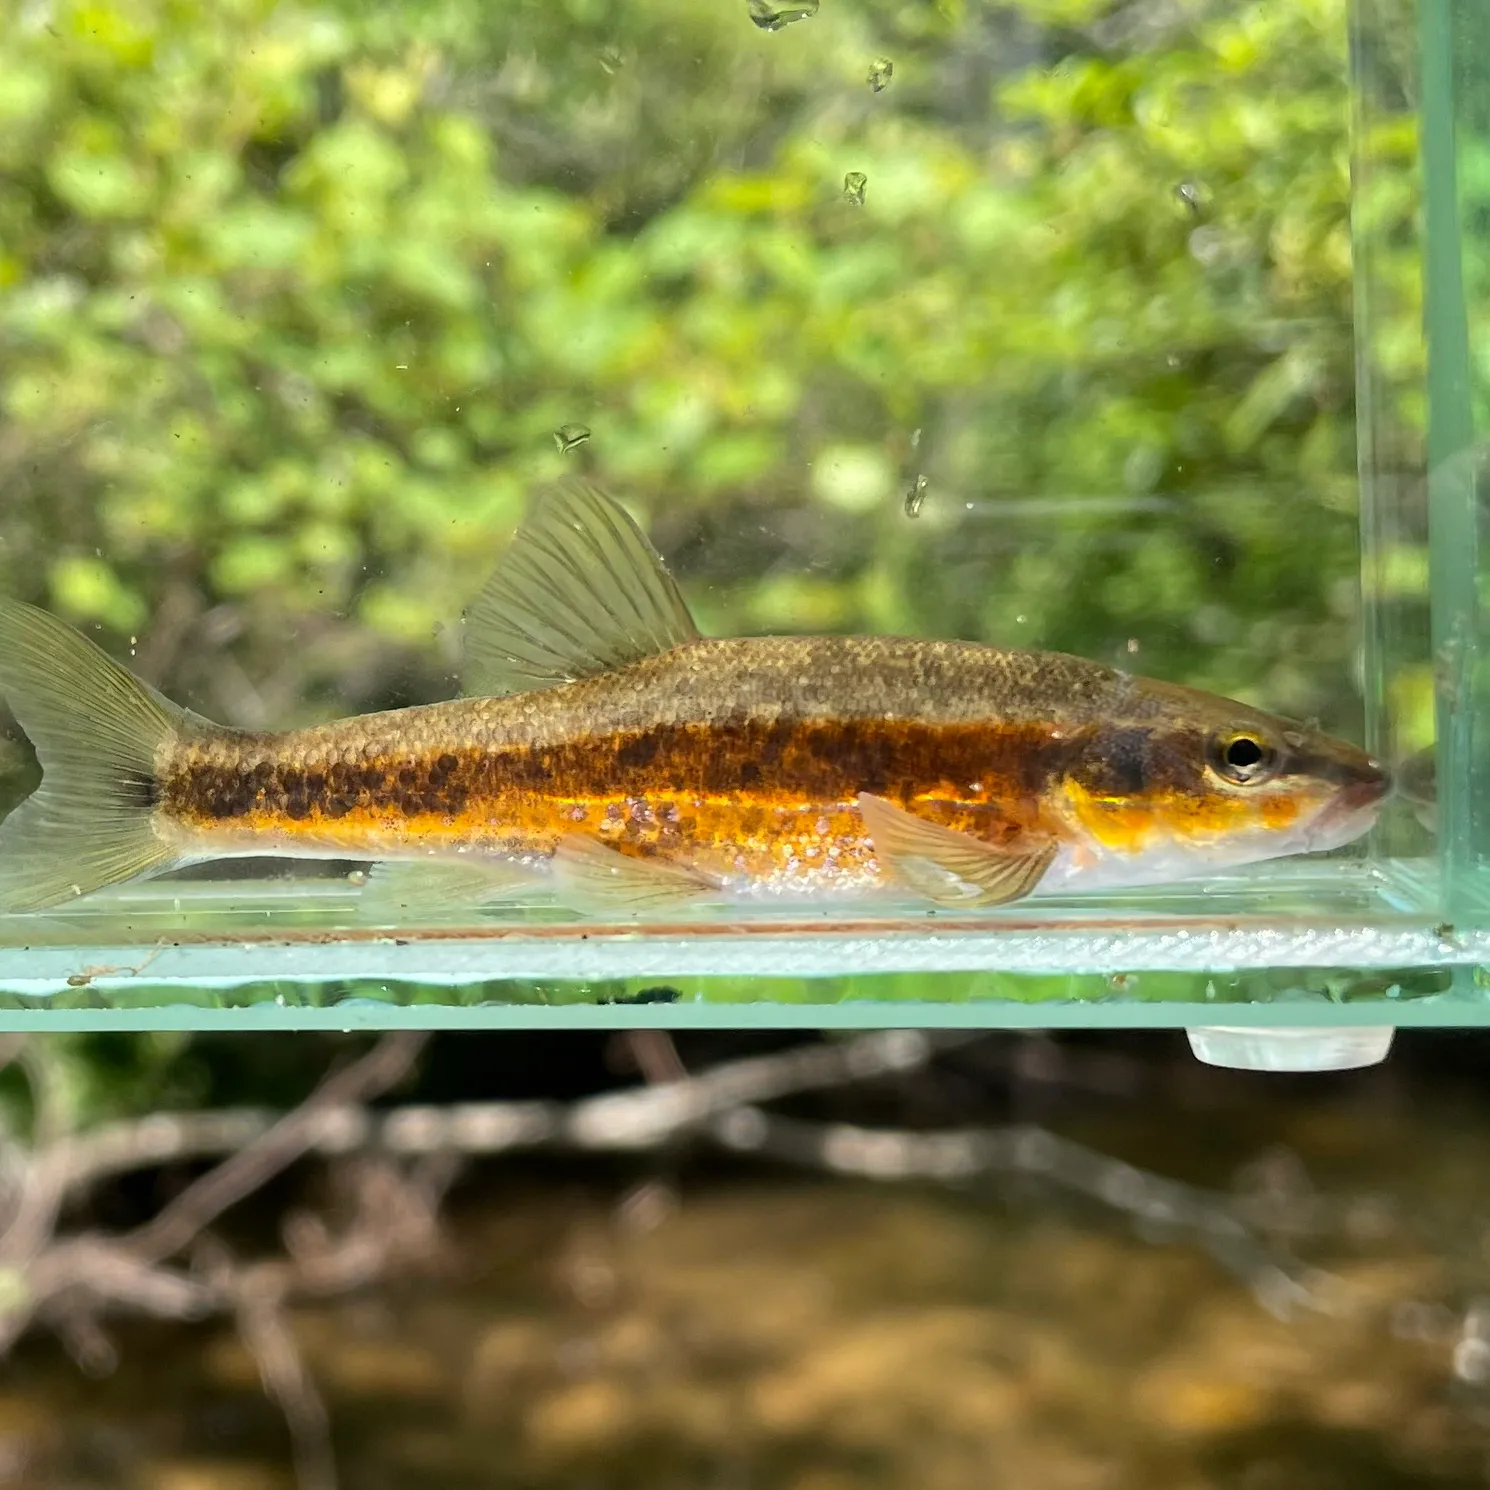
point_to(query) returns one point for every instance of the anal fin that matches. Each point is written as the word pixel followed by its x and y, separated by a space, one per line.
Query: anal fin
pixel 400 891
pixel 949 867
pixel 592 876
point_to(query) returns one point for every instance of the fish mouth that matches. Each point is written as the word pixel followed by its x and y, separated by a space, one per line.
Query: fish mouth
pixel 1351 811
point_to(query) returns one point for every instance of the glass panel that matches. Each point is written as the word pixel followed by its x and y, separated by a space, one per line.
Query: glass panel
pixel 1456 158
pixel 1032 324
pixel 1391 362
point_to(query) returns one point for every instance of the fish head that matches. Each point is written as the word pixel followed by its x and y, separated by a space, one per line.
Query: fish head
pixel 1174 782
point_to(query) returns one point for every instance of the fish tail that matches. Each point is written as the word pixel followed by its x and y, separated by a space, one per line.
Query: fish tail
pixel 99 733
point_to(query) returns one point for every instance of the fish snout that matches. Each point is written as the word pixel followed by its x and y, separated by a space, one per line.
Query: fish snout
pixel 1363 785
pixel 1371 784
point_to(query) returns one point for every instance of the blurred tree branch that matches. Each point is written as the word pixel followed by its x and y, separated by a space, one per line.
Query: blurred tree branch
pixel 395 1165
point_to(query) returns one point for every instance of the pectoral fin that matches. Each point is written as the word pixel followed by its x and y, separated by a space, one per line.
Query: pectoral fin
pixel 593 877
pixel 949 867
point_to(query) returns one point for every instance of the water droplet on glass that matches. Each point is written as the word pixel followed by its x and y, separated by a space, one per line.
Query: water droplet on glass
pixel 881 70
pixel 915 497
pixel 772 15
pixel 1207 245
pixel 1192 194
pixel 853 187
pixel 568 436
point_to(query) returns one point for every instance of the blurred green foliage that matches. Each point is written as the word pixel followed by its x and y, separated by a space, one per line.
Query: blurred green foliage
pixel 293 296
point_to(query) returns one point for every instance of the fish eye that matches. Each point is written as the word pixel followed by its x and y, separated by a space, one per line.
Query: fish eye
pixel 1242 759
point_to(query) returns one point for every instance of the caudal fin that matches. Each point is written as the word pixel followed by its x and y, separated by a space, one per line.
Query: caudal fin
pixel 97 730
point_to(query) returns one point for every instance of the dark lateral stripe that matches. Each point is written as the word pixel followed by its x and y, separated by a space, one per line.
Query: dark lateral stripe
pixel 222 792
pixel 141 789
pixel 813 761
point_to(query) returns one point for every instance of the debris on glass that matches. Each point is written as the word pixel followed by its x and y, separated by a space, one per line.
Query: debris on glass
pixel 568 436
pixel 772 15
pixel 853 187
pixel 881 70
pixel 915 496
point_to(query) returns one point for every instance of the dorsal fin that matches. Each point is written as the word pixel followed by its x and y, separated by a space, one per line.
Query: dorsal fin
pixel 579 592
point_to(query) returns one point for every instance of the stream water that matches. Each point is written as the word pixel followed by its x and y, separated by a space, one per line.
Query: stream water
pixel 691 1324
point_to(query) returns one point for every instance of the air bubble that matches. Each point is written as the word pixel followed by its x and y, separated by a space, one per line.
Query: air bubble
pixel 568 436
pixel 772 15
pixel 853 187
pixel 881 70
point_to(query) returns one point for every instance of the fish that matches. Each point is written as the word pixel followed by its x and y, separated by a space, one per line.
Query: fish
pixel 601 742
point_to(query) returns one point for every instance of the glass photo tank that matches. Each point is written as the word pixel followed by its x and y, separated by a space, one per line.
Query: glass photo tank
pixel 705 421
